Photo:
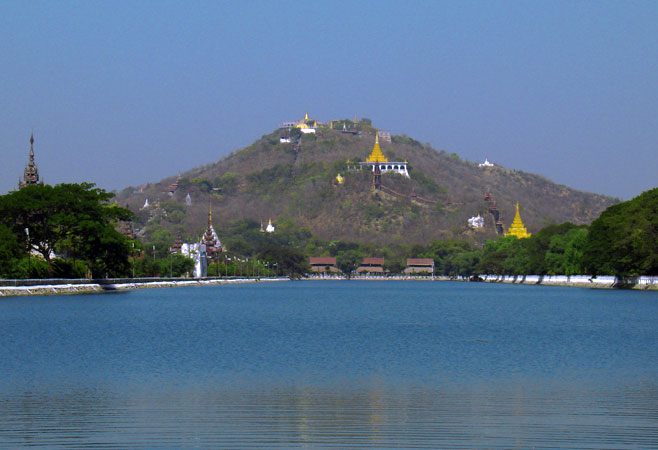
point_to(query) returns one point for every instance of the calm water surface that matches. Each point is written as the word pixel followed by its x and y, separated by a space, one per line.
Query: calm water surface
pixel 332 364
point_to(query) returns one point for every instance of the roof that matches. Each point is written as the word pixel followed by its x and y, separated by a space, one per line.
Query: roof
pixel 420 262
pixel 370 269
pixel 373 261
pixel 324 260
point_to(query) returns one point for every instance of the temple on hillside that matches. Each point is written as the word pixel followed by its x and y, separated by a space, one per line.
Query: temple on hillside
pixel 210 239
pixel 517 228
pixel 306 125
pixel 178 243
pixel 476 222
pixel 173 187
pixel 268 229
pixel 378 160
pixel 486 163
pixel 31 173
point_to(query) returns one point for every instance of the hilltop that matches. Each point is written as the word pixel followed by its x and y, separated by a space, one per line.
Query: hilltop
pixel 297 182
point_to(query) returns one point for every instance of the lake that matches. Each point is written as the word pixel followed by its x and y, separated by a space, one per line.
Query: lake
pixel 332 364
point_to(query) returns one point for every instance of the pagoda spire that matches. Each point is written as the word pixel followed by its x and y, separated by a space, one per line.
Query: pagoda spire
pixel 31 172
pixel 210 238
pixel 377 155
pixel 517 228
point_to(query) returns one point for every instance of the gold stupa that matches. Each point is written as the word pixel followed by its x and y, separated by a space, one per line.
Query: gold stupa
pixel 517 228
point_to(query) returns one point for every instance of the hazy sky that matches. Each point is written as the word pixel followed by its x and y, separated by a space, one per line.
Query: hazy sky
pixel 123 93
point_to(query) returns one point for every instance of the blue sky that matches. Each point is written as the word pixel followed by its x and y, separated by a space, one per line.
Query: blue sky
pixel 123 93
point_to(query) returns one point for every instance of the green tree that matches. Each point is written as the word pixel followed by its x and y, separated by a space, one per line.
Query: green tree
pixel 348 261
pixel 624 239
pixel 288 261
pixel 76 220
pixel 10 249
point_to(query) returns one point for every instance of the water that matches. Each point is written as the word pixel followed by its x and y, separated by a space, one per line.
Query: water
pixel 332 365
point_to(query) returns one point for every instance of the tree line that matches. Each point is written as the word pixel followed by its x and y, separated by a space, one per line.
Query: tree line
pixel 69 231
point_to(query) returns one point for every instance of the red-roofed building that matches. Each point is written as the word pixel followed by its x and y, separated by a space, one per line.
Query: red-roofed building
pixel 420 265
pixel 371 265
pixel 320 264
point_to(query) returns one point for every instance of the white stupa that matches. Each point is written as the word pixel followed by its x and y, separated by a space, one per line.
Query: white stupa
pixel 486 163
pixel 476 222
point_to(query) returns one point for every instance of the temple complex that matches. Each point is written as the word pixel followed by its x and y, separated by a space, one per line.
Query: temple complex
pixel 378 160
pixel 306 125
pixel 210 239
pixel 31 173
pixel 517 228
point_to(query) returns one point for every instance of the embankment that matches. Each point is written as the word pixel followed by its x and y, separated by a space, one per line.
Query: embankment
pixel 10 288
pixel 604 282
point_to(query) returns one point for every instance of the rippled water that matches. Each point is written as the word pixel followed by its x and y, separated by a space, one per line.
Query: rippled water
pixel 332 365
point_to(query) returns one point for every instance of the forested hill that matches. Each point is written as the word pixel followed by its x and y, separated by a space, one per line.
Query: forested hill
pixel 296 182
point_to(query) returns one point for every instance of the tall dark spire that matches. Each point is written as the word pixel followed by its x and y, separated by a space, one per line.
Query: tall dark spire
pixel 31 172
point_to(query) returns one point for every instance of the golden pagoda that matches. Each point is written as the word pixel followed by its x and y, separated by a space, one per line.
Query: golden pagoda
pixel 517 228
pixel 340 179
pixel 376 156
pixel 306 123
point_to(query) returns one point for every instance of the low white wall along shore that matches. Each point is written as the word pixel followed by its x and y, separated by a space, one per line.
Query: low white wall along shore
pixel 89 288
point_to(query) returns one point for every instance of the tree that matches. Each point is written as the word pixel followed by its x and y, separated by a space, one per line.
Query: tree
pixel 348 260
pixel 10 249
pixel 289 261
pixel 624 239
pixel 75 220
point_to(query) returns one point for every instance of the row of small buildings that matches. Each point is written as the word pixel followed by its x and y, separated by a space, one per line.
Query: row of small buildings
pixel 327 264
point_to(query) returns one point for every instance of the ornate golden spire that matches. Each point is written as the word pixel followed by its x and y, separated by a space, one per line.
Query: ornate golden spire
pixel 377 155
pixel 517 228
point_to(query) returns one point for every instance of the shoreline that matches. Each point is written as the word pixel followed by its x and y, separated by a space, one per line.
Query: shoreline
pixel 20 288
pixel 582 281
pixel 60 287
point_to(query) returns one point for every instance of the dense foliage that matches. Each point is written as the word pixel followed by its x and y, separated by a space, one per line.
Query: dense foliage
pixel 67 230
pixel 624 240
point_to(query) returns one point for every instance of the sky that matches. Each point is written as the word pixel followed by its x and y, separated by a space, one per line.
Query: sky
pixel 124 93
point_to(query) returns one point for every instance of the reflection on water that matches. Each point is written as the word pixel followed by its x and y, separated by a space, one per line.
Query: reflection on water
pixel 332 365
pixel 372 417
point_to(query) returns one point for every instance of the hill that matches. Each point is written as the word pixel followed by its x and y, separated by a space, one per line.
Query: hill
pixel 297 182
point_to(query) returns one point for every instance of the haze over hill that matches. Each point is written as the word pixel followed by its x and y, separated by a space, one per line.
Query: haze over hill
pixel 298 180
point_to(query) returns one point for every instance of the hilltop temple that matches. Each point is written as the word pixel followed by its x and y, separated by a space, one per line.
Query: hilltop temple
pixel 31 173
pixel 378 162
pixel 517 228
pixel 306 125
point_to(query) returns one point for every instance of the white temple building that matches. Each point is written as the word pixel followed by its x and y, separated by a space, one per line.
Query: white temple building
pixel 377 158
pixel 198 253
pixel 486 163
pixel 476 222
